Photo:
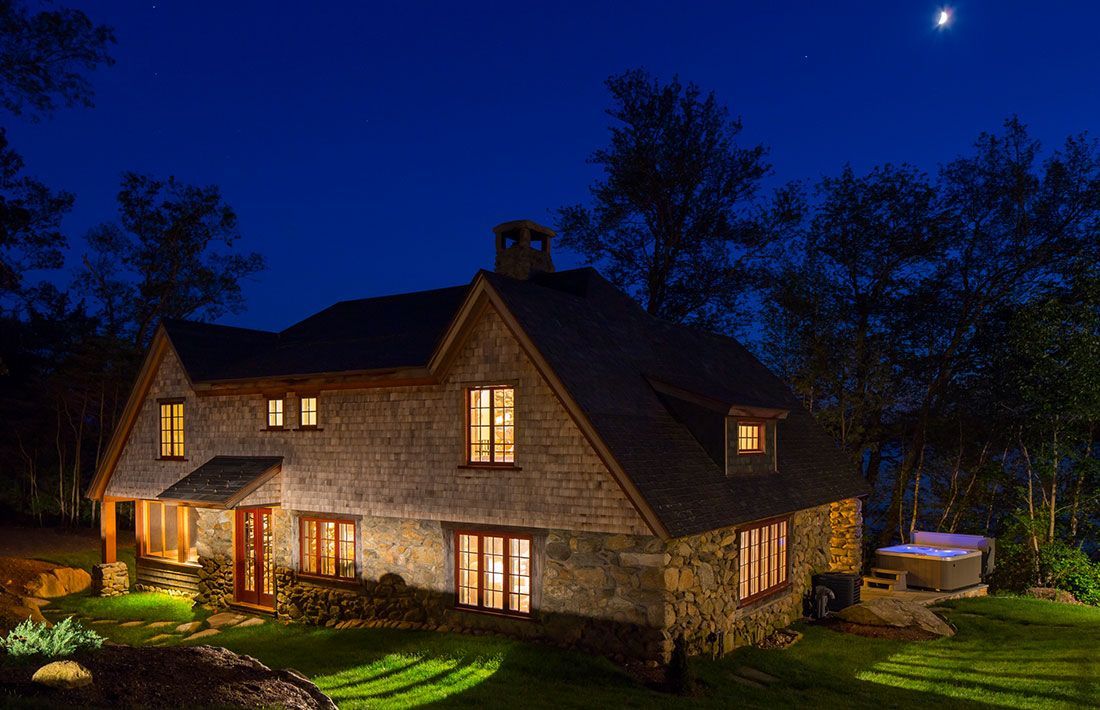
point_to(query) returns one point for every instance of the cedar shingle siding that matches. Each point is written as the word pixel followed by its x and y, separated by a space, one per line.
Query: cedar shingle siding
pixel 396 451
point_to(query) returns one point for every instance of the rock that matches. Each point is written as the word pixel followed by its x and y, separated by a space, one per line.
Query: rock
pixel 131 624
pixel 59 582
pixel 204 634
pixel 897 614
pixel 189 627
pixel 254 621
pixel 638 559
pixel 161 637
pixel 35 602
pixel 160 624
pixel 1050 594
pixel 63 674
pixel 225 618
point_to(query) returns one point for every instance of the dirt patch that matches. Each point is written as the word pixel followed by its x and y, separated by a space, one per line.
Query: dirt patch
pixel 150 677
pixel 783 638
pixel 892 633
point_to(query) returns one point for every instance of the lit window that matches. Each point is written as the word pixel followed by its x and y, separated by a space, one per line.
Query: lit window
pixel 275 414
pixel 171 430
pixel 492 425
pixel 309 412
pixel 763 563
pixel 328 547
pixel 494 572
pixel 750 438
pixel 167 528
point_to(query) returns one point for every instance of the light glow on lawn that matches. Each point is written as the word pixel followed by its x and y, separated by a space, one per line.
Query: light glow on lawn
pixel 405 681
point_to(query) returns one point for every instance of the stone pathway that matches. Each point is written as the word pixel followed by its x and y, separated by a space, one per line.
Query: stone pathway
pixel 175 631
pixel 753 678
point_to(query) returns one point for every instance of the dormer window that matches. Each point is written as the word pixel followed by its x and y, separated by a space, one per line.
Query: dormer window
pixel 750 437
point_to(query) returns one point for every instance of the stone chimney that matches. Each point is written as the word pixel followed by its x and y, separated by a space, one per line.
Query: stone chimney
pixel 523 248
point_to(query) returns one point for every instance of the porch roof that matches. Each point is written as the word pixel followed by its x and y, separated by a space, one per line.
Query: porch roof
pixel 223 481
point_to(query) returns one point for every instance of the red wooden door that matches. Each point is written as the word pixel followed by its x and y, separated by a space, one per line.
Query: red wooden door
pixel 255 569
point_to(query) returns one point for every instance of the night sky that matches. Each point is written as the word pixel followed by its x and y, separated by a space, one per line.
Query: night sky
pixel 370 148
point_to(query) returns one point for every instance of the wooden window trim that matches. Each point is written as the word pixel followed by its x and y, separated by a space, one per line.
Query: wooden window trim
pixel 184 543
pixel 778 589
pixel 492 462
pixel 316 412
pixel 160 428
pixel 319 576
pixel 761 438
pixel 267 414
pixel 507 537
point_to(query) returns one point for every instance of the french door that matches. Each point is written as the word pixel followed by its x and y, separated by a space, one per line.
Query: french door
pixel 255 566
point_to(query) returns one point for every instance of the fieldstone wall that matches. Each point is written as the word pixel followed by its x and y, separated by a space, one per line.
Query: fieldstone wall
pixel 846 539
pixel 215 549
pixel 110 579
pixel 702 580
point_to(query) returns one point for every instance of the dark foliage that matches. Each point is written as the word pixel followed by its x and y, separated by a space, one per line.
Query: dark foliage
pixel 45 57
pixel 671 220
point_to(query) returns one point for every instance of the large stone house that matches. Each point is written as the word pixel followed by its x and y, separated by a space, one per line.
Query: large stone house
pixel 530 454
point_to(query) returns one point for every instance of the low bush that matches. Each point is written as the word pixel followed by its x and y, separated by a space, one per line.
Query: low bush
pixel 30 638
pixel 1057 565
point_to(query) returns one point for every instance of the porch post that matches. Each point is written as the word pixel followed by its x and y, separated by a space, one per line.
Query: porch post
pixel 107 536
pixel 183 545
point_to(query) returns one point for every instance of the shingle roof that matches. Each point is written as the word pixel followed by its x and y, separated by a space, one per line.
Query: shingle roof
pixel 223 479
pixel 606 351
pixel 366 334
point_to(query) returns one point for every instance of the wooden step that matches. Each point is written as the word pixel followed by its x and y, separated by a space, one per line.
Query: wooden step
pixel 898 575
pixel 882 583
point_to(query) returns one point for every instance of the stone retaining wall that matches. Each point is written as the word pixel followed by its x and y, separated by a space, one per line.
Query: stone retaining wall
pixel 846 539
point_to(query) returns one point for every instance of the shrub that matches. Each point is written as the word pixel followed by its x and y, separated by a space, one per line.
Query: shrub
pixel 37 639
pixel 1057 565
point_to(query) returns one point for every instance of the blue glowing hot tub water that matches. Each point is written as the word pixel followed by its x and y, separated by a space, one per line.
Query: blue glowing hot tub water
pixel 940 552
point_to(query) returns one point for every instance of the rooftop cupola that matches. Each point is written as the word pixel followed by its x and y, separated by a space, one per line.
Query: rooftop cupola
pixel 523 248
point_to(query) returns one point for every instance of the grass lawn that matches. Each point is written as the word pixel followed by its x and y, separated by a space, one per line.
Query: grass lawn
pixel 1009 652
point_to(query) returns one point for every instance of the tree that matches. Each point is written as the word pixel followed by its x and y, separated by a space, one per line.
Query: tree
pixel 30 222
pixel 671 219
pixel 45 56
pixel 161 258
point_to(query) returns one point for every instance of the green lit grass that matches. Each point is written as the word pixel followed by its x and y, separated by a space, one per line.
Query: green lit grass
pixel 1009 652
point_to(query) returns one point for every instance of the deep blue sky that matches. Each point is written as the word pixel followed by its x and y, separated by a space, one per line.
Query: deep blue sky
pixel 369 148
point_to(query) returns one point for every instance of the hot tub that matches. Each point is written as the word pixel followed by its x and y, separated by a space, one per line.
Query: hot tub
pixel 932 567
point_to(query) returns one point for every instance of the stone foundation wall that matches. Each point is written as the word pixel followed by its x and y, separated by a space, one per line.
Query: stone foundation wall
pixel 215 549
pixel 846 539
pixel 110 579
pixel 702 579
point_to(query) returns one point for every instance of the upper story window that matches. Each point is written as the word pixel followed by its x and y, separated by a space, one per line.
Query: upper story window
pixel 167 531
pixel 171 429
pixel 491 425
pixel 327 547
pixel 493 572
pixel 275 413
pixel 308 412
pixel 763 563
pixel 750 438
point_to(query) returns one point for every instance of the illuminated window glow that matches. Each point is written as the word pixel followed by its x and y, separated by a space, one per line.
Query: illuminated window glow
pixel 275 414
pixel 763 562
pixel 492 425
pixel 493 572
pixel 162 535
pixel 308 412
pixel 328 548
pixel 750 438
pixel 171 430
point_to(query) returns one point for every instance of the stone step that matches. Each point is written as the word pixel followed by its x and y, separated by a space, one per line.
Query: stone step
pixel 889 573
pixel 755 675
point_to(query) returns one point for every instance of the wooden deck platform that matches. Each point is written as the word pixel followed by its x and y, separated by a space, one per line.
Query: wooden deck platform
pixel 926 598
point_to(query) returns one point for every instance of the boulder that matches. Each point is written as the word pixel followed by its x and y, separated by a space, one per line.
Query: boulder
pixel 63 674
pixel 59 582
pixel 897 614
